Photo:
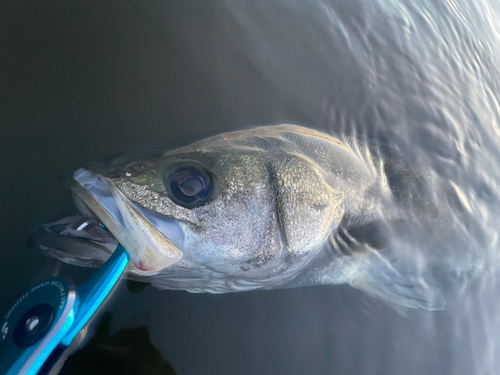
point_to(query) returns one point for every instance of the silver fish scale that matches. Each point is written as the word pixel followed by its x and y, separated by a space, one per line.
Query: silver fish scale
pixel 290 206
pixel 279 192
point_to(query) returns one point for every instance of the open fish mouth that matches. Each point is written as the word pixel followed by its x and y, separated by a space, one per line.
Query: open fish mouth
pixel 153 243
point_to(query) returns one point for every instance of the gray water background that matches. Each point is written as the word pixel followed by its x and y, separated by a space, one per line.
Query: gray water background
pixel 82 80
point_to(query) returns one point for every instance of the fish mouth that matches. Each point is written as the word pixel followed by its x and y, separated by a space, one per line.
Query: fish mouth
pixel 152 242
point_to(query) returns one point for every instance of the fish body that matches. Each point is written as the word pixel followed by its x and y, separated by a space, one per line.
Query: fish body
pixel 270 207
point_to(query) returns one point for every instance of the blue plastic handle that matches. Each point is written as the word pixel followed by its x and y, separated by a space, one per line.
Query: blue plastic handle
pixel 94 291
pixel 67 310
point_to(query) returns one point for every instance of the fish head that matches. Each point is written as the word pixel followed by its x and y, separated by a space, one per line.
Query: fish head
pixel 237 211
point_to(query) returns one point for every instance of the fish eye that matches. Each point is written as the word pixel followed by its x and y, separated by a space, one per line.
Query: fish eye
pixel 188 185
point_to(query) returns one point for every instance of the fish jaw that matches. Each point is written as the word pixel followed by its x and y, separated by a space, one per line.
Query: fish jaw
pixel 150 250
pixel 155 251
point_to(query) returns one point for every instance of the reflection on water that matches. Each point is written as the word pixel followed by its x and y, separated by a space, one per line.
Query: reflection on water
pixel 127 351
pixel 82 80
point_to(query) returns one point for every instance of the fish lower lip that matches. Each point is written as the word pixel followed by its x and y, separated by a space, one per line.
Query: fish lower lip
pixel 102 194
pixel 144 235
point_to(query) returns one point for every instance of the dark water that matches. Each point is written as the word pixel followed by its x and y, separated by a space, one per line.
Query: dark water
pixel 82 80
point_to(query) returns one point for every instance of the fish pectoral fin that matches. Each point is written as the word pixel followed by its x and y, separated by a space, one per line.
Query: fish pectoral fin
pixel 411 289
pixel 356 239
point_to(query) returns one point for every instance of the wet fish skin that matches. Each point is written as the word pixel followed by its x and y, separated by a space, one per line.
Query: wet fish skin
pixel 290 207
pixel 268 202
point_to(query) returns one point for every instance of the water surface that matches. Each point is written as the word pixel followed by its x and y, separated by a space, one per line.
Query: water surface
pixel 80 81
